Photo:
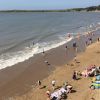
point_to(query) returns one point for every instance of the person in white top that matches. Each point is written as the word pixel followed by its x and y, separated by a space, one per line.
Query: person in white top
pixel 53 84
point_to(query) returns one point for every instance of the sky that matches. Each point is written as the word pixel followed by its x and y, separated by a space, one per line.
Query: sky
pixel 45 4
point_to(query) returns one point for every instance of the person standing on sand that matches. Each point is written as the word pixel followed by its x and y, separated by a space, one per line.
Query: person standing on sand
pixel 39 83
pixel 53 84
pixel 74 75
pixel 91 40
pixel 75 46
pixel 75 59
pixel 98 39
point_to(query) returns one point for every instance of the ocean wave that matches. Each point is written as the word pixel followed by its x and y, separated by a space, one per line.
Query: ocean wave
pixel 9 59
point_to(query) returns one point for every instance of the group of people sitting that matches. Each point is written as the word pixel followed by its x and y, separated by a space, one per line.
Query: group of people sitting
pixel 60 93
pixel 76 75
pixel 91 71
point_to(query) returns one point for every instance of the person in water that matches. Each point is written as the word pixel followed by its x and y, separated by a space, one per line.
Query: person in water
pixel 33 43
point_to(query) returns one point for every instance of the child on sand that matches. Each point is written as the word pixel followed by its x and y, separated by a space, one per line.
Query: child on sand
pixel 48 94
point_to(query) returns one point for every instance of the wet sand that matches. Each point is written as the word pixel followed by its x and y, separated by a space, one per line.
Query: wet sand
pixel 64 73
pixel 19 79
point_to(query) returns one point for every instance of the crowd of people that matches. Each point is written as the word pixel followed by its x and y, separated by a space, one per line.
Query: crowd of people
pixel 91 71
pixel 61 93
pixel 57 93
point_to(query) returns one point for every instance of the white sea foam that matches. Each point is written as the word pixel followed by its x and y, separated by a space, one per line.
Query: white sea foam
pixel 16 57
pixel 12 58
pixel 9 59
pixel 55 44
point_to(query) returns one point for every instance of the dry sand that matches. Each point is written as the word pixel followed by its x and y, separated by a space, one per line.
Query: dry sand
pixel 64 73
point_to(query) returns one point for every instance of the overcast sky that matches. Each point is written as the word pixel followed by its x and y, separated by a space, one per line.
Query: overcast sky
pixel 46 4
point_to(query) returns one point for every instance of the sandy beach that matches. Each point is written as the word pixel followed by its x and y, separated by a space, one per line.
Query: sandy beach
pixel 19 81
pixel 64 73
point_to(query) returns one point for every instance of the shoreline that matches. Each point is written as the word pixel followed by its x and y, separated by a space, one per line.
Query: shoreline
pixel 20 77
pixel 64 73
pixel 15 54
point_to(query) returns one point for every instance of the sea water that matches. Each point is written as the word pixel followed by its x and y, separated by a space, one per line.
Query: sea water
pixel 24 34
